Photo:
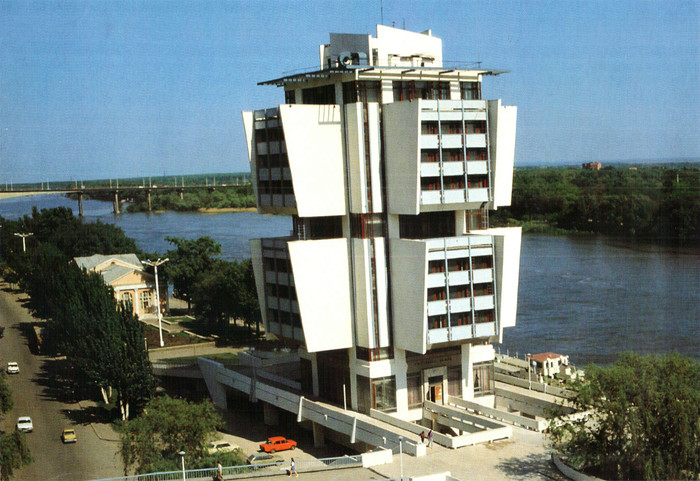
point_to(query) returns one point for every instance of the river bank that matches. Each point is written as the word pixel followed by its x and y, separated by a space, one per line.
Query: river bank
pixel 588 296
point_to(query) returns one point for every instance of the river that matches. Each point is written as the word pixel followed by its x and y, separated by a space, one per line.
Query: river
pixel 588 297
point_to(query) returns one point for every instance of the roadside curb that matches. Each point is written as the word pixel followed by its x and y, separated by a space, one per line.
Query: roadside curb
pixel 102 437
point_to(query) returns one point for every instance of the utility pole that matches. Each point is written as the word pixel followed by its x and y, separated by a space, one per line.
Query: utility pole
pixel 155 265
pixel 24 236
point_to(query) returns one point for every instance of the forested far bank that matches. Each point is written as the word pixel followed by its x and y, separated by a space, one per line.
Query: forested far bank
pixel 230 197
pixel 641 202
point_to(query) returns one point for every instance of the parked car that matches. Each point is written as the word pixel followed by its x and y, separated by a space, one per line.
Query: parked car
pixel 277 443
pixel 263 458
pixel 69 436
pixel 12 368
pixel 25 424
pixel 221 447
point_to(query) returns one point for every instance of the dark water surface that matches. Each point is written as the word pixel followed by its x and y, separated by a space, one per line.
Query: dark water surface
pixel 588 297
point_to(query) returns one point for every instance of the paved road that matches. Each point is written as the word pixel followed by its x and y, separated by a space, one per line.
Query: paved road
pixel 35 394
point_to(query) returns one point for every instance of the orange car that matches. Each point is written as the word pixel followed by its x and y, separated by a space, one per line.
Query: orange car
pixel 277 443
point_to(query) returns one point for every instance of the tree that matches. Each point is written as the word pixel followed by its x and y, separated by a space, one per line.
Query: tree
pixel 227 291
pixel 189 262
pixel 166 427
pixel 6 401
pixel 14 453
pixel 645 421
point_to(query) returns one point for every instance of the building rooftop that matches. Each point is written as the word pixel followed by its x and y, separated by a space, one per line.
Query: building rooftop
pixel 94 261
pixel 543 356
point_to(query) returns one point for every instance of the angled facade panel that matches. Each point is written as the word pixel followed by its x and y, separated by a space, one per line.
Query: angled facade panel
pixel 321 277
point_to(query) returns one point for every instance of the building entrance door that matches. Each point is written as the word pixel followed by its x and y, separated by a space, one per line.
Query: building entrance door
pixel 435 389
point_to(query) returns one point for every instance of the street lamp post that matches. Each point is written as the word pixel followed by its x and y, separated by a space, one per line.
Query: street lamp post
pixel 24 237
pixel 182 456
pixel 401 455
pixel 529 374
pixel 155 265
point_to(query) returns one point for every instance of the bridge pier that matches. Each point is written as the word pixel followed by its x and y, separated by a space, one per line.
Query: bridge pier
pixel 271 416
pixel 319 435
pixel 115 203
pixel 81 212
pixel 148 200
pixel 182 195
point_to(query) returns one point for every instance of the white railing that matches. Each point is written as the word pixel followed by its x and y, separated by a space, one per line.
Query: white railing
pixel 232 472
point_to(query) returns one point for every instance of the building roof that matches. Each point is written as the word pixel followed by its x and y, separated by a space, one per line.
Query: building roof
pixel 386 70
pixel 94 261
pixel 115 272
pixel 543 356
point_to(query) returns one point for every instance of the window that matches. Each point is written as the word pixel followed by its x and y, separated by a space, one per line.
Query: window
pixel 478 182
pixel 366 226
pixel 414 390
pixel 128 298
pixel 453 182
pixel 484 262
pixel 429 128
pixel 483 289
pixel 436 266
pixel 429 183
pixel 290 97
pixel 484 383
pixel 459 292
pixel 436 294
pixel 437 322
pixel 374 354
pixel 430 156
pixel 384 394
pixel 412 90
pixel 452 127
pixel 476 154
pixel 361 91
pixel 476 219
pixel 145 300
pixel 484 316
pixel 427 225
pixel 461 319
pixel 452 155
pixel 470 90
pixel 458 264
pixel 324 95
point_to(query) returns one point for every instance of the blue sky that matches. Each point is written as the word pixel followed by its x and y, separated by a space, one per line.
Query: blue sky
pixel 135 88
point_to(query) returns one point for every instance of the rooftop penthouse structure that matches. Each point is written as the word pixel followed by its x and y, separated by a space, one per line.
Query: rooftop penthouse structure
pixel 392 284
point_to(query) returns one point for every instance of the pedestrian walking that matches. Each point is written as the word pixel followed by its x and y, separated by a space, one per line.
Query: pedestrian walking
pixel 422 437
pixel 430 439
pixel 293 469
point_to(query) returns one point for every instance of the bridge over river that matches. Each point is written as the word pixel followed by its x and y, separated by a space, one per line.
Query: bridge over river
pixel 113 191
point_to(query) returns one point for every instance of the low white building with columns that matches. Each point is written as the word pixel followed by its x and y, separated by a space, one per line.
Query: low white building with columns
pixel 392 285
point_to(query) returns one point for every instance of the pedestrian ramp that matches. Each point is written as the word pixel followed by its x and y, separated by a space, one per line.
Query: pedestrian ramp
pixel 452 427
pixel 357 426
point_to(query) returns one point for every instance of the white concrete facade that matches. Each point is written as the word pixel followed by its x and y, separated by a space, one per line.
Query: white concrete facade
pixel 391 284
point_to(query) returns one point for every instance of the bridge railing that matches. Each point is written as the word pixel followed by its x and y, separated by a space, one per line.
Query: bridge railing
pixel 234 472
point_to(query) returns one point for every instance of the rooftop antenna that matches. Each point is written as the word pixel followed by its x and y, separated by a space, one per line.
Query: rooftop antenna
pixel 404 24
pixel 381 7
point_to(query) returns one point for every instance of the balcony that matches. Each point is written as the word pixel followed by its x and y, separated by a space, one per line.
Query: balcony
pixel 428 138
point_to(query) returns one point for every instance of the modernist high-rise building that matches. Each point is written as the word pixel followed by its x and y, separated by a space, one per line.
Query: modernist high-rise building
pixel 392 284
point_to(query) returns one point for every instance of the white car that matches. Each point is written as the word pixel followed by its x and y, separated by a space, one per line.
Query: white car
pixel 12 368
pixel 25 424
pixel 221 447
